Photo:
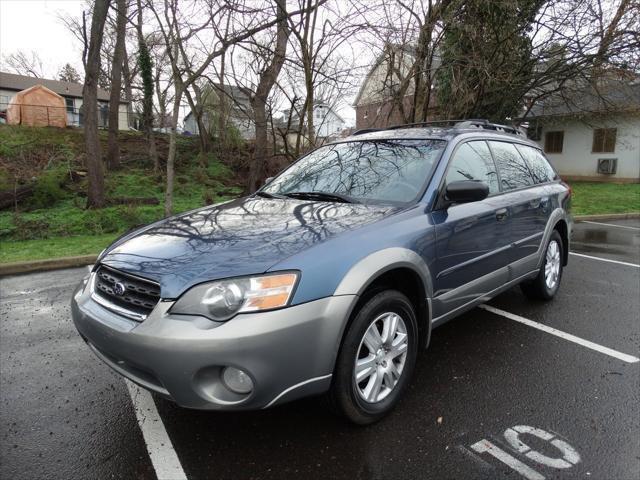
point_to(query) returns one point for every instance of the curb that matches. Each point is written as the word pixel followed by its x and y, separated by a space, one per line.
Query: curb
pixel 605 216
pixel 44 265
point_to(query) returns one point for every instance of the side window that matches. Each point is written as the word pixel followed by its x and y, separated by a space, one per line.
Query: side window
pixel 540 168
pixel 604 140
pixel 514 172
pixel 472 161
pixel 553 142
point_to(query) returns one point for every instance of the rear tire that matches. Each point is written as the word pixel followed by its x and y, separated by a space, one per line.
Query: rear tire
pixel 547 282
pixel 380 345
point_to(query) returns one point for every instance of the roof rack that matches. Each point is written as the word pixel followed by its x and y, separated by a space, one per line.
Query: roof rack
pixel 486 124
pixel 465 123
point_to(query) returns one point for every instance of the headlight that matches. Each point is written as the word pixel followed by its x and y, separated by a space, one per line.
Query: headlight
pixel 223 299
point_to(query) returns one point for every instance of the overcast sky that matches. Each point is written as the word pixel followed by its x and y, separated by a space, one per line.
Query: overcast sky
pixel 34 25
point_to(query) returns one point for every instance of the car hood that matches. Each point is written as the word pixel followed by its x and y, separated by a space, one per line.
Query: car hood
pixel 241 237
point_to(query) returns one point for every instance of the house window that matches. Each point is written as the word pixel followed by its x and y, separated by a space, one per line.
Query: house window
pixel 69 103
pixel 604 140
pixel 4 100
pixel 553 142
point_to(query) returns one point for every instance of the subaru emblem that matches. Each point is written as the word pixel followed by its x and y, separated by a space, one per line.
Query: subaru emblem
pixel 119 288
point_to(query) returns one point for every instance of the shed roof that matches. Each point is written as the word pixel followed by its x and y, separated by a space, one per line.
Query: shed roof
pixel 610 96
pixel 11 81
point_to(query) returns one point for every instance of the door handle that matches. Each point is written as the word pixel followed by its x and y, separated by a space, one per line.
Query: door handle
pixel 501 214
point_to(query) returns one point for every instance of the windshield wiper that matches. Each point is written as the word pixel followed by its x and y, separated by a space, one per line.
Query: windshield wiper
pixel 268 195
pixel 332 197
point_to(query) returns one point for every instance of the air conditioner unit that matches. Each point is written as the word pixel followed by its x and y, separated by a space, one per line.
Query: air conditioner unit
pixel 607 166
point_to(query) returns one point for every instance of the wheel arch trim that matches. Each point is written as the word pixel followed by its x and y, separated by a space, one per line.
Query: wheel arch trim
pixel 367 270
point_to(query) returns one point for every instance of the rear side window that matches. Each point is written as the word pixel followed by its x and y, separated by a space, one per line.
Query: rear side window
pixel 540 169
pixel 472 161
pixel 514 172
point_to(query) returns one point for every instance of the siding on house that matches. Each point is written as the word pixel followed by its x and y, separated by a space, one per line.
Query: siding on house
pixel 381 114
pixel 374 103
pixel 10 84
pixel 578 162
pixel 327 123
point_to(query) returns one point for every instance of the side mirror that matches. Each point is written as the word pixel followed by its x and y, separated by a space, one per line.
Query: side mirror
pixel 268 180
pixel 466 191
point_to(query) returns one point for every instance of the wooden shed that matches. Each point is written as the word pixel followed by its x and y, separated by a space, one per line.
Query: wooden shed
pixel 37 107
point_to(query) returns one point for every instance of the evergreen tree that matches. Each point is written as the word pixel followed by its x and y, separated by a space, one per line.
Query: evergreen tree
pixel 68 74
pixel 486 58
pixel 145 64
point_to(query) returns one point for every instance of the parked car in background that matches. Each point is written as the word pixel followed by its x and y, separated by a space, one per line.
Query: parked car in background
pixel 330 279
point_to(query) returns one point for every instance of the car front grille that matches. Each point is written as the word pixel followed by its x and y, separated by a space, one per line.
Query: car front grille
pixel 131 296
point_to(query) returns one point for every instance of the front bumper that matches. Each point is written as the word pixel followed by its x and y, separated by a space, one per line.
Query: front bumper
pixel 288 353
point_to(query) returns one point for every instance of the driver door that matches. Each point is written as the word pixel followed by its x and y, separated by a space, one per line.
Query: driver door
pixel 472 239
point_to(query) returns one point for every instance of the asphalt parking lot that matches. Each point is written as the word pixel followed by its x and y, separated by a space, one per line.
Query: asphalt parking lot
pixel 519 389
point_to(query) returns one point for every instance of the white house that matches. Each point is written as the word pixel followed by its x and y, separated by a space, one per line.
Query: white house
pixel 239 109
pixel 10 84
pixel 592 133
pixel 327 123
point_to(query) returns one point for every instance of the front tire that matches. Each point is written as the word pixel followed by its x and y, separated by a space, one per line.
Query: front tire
pixel 376 360
pixel 547 282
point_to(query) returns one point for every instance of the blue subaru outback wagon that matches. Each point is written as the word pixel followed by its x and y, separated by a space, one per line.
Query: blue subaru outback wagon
pixel 331 277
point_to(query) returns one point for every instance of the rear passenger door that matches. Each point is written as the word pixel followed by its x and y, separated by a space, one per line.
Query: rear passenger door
pixel 529 202
pixel 472 239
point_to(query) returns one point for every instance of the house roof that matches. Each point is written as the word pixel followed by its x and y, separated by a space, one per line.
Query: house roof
pixel 17 83
pixel 409 51
pixel 281 123
pixel 241 97
pixel 610 96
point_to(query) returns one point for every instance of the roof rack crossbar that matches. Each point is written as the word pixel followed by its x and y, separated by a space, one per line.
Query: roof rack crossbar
pixel 461 123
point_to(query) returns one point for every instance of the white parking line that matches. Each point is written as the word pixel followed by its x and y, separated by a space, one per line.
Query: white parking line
pixel 610 225
pixel 163 456
pixel 559 333
pixel 605 259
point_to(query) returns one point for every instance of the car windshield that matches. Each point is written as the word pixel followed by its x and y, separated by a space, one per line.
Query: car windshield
pixel 389 171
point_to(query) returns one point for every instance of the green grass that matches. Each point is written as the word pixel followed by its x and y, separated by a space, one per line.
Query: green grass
pixel 54 222
pixel 592 198
pixel 54 247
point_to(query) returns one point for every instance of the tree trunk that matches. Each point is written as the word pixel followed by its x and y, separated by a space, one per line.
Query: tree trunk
pixel 147 102
pixel 197 108
pixel 128 88
pixel 257 166
pixel 95 173
pixel 259 100
pixel 171 157
pixel 153 151
pixel 222 115
pixel 113 151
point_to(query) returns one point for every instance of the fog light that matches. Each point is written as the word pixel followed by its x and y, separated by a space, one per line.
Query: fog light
pixel 236 380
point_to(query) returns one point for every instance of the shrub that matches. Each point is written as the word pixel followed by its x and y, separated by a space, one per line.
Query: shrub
pixel 48 190
pixel 29 229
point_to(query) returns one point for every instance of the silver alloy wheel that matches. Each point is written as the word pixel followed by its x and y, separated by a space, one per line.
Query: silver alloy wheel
pixel 381 357
pixel 552 265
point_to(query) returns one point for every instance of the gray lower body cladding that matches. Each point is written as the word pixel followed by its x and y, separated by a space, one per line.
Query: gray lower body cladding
pixel 288 353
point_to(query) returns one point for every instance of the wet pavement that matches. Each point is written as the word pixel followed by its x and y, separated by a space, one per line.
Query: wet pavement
pixel 63 414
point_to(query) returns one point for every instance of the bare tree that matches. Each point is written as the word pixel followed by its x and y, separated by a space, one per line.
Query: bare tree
pixel 95 173
pixel 183 34
pixel 113 151
pixel 25 63
pixel 145 65
pixel 268 78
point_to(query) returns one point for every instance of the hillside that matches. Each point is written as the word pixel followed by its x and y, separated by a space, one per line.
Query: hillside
pixel 51 220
